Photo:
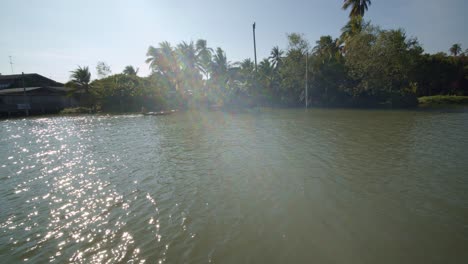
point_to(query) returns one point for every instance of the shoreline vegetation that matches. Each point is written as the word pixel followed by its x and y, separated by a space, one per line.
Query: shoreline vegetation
pixel 424 103
pixel 365 67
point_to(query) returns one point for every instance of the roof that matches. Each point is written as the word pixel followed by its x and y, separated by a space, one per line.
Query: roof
pixel 12 91
pixel 17 90
pixel 16 76
pixel 12 76
pixel 30 80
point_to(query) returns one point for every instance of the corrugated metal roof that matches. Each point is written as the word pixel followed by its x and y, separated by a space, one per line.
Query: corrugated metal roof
pixel 13 76
pixel 33 79
pixel 63 89
pixel 28 89
pixel 17 90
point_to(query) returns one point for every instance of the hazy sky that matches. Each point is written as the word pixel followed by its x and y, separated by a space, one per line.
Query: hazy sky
pixel 53 37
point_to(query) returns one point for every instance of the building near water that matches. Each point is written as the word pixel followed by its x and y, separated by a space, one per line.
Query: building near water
pixel 33 93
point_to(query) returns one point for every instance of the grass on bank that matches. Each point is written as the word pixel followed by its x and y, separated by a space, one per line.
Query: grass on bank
pixel 441 100
pixel 77 110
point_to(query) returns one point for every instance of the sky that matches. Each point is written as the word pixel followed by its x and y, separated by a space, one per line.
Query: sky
pixel 54 37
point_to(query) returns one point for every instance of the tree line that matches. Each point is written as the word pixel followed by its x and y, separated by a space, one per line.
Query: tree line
pixel 366 66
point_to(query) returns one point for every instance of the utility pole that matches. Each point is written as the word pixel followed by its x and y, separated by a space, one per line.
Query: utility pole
pixel 11 65
pixel 25 105
pixel 255 47
pixel 307 83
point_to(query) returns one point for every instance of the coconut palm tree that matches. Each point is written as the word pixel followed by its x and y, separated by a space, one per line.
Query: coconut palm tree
pixel 219 64
pixel 276 57
pixel 187 55
pixel 325 46
pixel 455 49
pixel 358 7
pixel 246 65
pixel 221 73
pixel 266 73
pixel 163 60
pixel 246 73
pixel 129 70
pixel 192 63
pixel 354 26
pixel 204 55
pixel 81 78
pixel 154 57
pixel 196 57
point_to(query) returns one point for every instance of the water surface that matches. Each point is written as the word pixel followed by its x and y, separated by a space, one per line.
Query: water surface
pixel 273 186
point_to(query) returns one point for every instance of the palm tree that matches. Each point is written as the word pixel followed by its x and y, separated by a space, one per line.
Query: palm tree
pixel 81 78
pixel 455 49
pixel 325 46
pixel 163 60
pixel 358 7
pixel 354 26
pixel 247 65
pixel 129 70
pixel 276 57
pixel 221 73
pixel 266 72
pixel 245 74
pixel 219 65
pixel 196 57
pixel 203 56
pixel 187 55
pixel 154 56
pixel 193 62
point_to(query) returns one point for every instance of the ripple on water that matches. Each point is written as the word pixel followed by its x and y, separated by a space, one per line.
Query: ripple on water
pixel 286 186
pixel 64 203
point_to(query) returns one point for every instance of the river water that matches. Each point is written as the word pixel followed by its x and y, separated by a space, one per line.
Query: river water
pixel 271 186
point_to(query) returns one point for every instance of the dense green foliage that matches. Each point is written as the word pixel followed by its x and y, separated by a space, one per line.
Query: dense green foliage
pixel 380 64
pixel 128 92
pixel 365 67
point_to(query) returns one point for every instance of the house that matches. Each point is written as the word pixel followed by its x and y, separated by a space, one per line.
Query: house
pixel 32 93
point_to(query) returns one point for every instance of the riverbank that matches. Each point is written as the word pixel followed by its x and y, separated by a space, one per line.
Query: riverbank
pixel 424 103
pixel 442 101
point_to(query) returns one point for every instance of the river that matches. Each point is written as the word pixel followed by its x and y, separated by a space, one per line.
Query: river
pixel 269 186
